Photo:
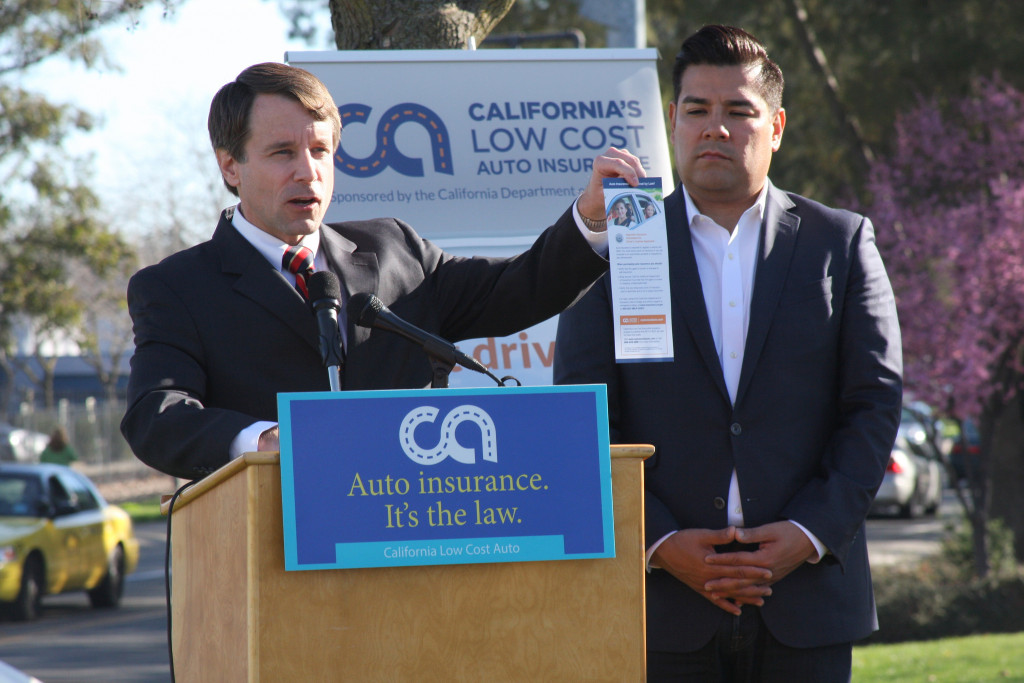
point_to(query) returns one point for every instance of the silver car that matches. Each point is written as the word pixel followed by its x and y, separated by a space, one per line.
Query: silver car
pixel 20 445
pixel 913 481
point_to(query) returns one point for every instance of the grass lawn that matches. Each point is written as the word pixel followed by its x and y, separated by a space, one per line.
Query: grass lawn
pixel 146 511
pixel 973 659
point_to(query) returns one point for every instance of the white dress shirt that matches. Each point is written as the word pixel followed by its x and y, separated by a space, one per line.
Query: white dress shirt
pixel 727 263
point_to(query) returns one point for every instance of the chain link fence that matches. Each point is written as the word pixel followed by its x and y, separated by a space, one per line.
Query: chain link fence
pixel 93 429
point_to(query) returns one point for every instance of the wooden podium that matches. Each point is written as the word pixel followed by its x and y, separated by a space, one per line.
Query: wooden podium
pixel 237 615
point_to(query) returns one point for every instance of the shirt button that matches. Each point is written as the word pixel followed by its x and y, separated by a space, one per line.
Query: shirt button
pixel 735 429
pixel 719 503
pixel 732 354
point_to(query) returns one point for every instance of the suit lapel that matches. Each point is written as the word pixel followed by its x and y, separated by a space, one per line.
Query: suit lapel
pixel 262 283
pixel 358 272
pixel 687 292
pixel 778 241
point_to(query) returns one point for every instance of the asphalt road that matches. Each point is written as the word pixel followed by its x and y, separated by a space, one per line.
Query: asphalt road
pixel 73 643
pixel 894 541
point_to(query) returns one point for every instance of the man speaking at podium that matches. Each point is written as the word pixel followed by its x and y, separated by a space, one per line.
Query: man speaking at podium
pixel 222 327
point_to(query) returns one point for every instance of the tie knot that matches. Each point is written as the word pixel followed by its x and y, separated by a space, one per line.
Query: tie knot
pixel 299 260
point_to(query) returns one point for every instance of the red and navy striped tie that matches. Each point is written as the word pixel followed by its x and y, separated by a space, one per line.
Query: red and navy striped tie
pixel 299 260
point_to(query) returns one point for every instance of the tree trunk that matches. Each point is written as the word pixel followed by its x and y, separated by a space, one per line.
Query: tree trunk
pixel 49 369
pixel 413 24
pixel 29 370
pixel 979 481
pixel 860 154
pixel 108 370
pixel 1007 463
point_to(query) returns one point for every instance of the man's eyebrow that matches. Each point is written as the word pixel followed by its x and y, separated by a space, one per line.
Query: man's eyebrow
pixel 693 99
pixel 276 145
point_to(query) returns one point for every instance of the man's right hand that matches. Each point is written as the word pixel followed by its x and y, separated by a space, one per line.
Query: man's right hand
pixel 614 163
pixel 683 555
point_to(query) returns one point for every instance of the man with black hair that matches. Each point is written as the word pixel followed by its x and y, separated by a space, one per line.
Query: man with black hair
pixel 774 422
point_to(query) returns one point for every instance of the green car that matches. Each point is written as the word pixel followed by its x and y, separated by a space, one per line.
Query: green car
pixel 58 534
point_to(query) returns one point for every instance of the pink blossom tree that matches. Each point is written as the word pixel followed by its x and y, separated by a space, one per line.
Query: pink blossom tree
pixel 949 206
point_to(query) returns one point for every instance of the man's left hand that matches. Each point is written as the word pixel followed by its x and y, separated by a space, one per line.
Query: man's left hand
pixel 782 547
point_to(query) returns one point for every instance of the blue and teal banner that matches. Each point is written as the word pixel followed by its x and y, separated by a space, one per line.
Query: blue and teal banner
pixel 445 476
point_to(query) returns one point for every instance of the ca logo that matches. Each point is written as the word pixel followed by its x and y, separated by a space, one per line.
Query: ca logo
pixel 447 445
pixel 386 154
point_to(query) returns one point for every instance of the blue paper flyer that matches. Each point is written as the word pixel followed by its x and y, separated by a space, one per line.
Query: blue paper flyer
pixel 445 476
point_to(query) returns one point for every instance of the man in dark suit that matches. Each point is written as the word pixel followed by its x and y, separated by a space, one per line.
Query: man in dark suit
pixel 220 328
pixel 774 422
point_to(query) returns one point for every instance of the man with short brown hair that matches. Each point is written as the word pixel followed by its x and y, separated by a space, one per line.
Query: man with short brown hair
pixel 220 329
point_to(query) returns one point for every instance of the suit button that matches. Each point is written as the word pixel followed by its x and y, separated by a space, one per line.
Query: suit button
pixel 735 429
pixel 719 503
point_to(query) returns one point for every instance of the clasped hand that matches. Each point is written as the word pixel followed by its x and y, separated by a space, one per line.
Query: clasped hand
pixel 730 580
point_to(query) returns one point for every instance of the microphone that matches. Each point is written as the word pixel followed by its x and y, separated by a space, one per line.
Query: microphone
pixel 369 311
pixel 324 297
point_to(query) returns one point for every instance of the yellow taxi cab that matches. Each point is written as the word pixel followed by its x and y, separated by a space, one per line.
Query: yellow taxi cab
pixel 58 534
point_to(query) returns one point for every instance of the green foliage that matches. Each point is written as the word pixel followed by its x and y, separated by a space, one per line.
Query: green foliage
pixel 941 597
pixel 958 548
pixel 144 511
pixel 52 235
pixel 883 56
pixel 32 31
pixel 532 17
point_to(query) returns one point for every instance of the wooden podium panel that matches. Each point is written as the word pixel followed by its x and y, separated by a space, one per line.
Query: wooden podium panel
pixel 237 615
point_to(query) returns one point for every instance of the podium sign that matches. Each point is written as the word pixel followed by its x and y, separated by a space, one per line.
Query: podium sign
pixel 445 476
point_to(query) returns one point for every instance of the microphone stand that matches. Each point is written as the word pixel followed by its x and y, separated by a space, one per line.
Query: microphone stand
pixel 442 369
pixel 334 377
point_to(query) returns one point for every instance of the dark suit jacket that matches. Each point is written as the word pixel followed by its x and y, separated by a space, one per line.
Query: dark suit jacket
pixel 815 417
pixel 219 331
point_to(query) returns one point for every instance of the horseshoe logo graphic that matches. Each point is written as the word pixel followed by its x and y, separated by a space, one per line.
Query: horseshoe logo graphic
pixel 387 153
pixel 447 445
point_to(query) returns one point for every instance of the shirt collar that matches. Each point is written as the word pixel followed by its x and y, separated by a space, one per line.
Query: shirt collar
pixel 271 247
pixel 758 205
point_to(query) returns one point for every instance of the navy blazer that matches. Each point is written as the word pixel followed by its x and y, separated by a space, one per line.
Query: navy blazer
pixel 815 417
pixel 219 331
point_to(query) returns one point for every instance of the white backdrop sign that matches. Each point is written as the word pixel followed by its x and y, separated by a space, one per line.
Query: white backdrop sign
pixel 481 150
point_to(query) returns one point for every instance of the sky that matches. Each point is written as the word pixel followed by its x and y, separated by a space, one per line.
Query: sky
pixel 153 110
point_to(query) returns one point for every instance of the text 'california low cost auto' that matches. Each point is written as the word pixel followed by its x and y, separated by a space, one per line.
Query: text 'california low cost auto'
pixel 58 534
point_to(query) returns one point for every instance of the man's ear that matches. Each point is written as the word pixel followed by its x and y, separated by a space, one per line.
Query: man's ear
pixel 778 125
pixel 228 168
